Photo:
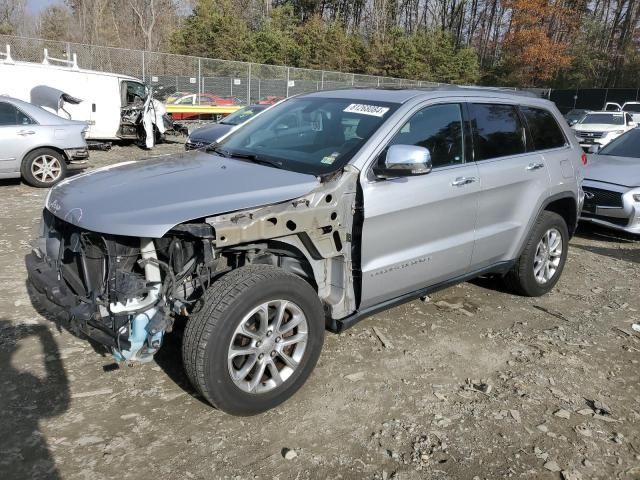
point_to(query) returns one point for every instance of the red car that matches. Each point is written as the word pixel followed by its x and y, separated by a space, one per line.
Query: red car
pixel 270 100
pixel 200 99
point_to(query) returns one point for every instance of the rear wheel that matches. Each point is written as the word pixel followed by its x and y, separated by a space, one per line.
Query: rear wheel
pixel 43 167
pixel 255 341
pixel 539 267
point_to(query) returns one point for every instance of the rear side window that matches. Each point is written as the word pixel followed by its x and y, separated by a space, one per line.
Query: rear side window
pixel 544 130
pixel 10 115
pixel 499 131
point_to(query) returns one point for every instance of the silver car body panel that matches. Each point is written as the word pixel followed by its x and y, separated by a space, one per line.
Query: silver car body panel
pixel 148 198
pixel 416 231
pixel 460 229
pixel 52 131
pixel 619 176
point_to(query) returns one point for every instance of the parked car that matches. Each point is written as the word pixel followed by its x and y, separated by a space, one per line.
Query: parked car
pixel 633 108
pixel 114 106
pixel 37 145
pixel 612 185
pixel 319 212
pixel 204 99
pixel 597 129
pixel 574 116
pixel 203 136
pixel 269 100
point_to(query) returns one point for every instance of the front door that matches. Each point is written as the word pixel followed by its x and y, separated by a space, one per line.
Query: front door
pixel 419 231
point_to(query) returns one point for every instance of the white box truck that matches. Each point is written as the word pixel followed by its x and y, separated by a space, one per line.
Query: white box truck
pixel 116 107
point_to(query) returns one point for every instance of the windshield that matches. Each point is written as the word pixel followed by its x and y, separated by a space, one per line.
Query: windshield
pixel 627 145
pixel 307 134
pixel 242 115
pixel 605 118
pixel 632 107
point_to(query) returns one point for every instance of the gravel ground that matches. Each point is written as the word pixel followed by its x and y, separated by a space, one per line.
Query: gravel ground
pixel 472 383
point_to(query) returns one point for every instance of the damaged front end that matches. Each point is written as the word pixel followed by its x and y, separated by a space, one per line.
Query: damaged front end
pixel 144 120
pixel 126 292
pixel 122 292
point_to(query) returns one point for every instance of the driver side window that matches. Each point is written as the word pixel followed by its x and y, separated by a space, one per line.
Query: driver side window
pixel 438 128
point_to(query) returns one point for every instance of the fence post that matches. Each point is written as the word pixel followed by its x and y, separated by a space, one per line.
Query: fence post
pixel 143 69
pixel 287 91
pixel 353 79
pixel 199 79
pixel 322 80
pixel 249 86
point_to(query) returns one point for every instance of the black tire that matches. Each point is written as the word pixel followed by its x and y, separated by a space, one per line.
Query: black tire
pixel 521 279
pixel 208 335
pixel 27 167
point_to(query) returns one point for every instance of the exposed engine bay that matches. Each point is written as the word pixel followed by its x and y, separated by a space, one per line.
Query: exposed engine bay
pixel 127 292
pixel 144 120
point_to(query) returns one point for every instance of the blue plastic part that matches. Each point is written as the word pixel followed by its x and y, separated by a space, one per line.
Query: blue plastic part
pixel 142 349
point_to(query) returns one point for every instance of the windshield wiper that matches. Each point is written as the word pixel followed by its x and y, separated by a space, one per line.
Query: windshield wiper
pixel 215 148
pixel 255 159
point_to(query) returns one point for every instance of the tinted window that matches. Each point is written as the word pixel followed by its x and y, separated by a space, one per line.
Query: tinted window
pixel 438 128
pixel 627 145
pixel 499 131
pixel 10 115
pixel 543 128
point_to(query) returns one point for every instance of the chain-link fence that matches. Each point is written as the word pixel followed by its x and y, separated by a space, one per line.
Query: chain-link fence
pixel 219 81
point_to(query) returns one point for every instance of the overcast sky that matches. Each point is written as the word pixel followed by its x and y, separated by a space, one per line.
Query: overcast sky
pixel 37 5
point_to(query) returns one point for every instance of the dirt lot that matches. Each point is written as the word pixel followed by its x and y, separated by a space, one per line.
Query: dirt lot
pixel 473 383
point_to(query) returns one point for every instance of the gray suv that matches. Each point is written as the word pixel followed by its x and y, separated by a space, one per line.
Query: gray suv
pixel 322 210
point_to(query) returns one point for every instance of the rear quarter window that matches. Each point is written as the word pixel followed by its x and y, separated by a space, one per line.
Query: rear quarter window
pixel 498 129
pixel 543 128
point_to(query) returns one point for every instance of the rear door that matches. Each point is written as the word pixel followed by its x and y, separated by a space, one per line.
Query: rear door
pixel 546 137
pixel 513 179
pixel 419 230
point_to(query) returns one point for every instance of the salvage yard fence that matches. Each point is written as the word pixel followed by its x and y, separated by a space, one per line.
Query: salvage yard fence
pixel 246 82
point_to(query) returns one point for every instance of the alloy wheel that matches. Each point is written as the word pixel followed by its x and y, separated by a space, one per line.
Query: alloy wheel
pixel 46 168
pixel 267 346
pixel 548 255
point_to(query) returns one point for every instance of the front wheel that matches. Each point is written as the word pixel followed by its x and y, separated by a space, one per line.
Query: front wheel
pixel 539 267
pixel 255 341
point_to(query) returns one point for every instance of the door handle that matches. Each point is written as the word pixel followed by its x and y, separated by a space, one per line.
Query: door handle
pixel 535 166
pixel 460 181
pixel 23 133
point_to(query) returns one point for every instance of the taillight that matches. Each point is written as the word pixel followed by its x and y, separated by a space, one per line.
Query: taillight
pixel 584 158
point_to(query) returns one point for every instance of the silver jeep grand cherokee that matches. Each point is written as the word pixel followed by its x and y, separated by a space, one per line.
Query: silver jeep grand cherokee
pixel 318 212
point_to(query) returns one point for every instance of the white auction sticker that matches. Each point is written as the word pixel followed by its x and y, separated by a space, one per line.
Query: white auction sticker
pixel 373 110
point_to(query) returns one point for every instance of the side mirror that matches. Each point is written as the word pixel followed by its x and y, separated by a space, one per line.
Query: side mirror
pixel 404 161
pixel 572 122
pixel 633 124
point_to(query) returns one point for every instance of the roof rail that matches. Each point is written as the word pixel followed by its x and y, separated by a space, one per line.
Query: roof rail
pixel 5 57
pixel 73 64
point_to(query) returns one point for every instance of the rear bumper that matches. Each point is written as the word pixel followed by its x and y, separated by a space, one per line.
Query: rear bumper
pixel 77 154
